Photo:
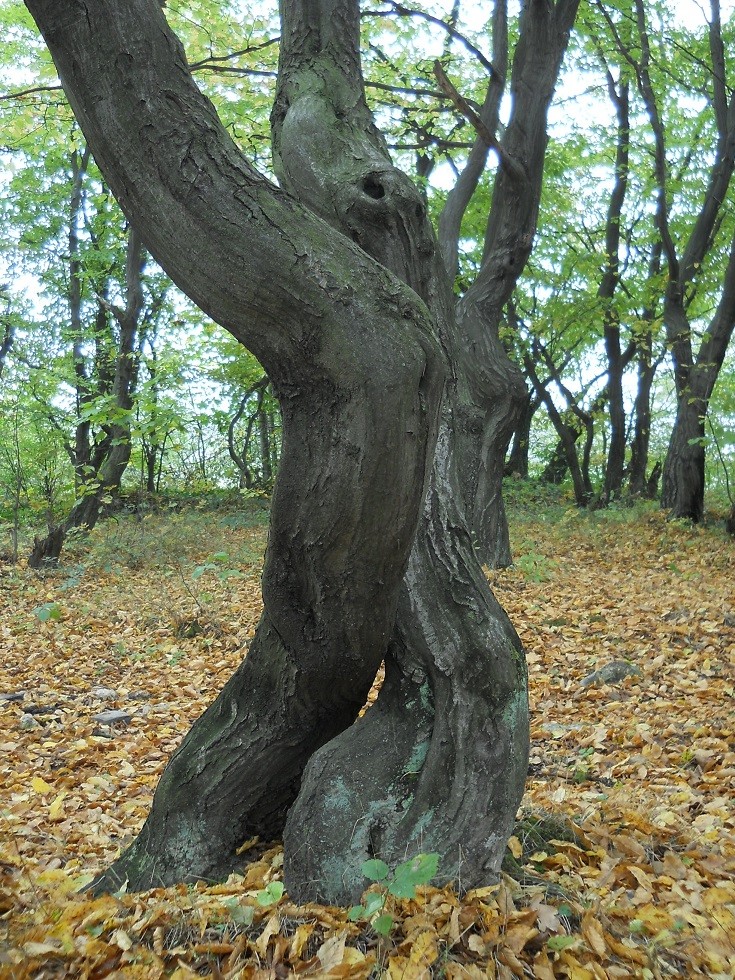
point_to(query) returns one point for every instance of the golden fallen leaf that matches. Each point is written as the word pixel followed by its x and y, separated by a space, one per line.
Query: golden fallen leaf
pixel 593 934
pixel 40 785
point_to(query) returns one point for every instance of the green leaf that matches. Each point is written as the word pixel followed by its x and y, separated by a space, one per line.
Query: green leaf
pixel 375 870
pixel 201 569
pixel 49 610
pixel 374 903
pixel 417 871
pixel 241 915
pixel 357 912
pixel 559 943
pixel 383 924
pixel 271 894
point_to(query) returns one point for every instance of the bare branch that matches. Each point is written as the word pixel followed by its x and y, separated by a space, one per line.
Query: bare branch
pixel 402 11
pixel 22 93
pixel 512 167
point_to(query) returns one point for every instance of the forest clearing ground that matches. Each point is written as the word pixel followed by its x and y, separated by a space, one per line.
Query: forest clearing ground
pixel 158 611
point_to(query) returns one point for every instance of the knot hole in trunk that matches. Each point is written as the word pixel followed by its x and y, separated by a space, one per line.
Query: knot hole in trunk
pixel 373 187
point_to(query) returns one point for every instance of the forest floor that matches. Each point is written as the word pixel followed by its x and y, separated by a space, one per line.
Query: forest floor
pixel 151 617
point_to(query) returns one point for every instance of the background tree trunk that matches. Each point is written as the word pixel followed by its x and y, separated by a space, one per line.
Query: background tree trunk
pixel 491 391
pixel 101 466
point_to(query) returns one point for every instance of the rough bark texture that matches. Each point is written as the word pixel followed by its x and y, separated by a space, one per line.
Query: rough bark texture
pixel 356 351
pixel 352 354
pixel 454 704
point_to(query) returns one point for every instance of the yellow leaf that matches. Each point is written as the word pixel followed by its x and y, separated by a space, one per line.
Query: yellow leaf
pixel 121 939
pixel 272 929
pixel 592 932
pixel 424 951
pixel 332 952
pixel 542 968
pixel 40 949
pixel 516 848
pixel 300 939
pixel 56 809
pixel 40 785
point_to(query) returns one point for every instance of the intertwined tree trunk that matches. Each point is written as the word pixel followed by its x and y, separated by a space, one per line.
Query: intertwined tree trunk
pixel 334 281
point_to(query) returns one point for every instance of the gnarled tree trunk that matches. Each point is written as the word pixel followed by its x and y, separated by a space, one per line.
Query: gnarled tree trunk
pixel 369 554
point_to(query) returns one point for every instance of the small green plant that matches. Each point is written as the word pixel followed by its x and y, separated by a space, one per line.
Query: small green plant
pixel 402 883
pixel 49 610
pixel 535 567
pixel 215 564
pixel 241 915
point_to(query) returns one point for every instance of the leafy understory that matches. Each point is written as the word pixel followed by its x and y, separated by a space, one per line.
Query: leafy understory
pixel 634 779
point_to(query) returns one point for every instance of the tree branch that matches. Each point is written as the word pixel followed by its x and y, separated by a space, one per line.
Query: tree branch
pixel 514 170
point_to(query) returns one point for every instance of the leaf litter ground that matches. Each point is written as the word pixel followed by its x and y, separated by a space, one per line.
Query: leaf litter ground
pixel 624 863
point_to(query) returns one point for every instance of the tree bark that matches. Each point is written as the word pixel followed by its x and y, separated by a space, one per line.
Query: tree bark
pixel 683 479
pixel 357 351
pixel 446 674
pixel 517 462
pixel 611 278
pixel 491 391
pixel 100 466
pixel 694 377
pixel 353 355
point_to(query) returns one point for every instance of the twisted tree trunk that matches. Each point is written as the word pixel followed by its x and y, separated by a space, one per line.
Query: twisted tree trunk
pixel 335 282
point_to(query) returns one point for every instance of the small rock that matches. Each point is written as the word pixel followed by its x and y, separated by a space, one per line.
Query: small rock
pixel 28 722
pixel 104 693
pixel 611 673
pixel 41 709
pixel 139 696
pixel 112 717
pixel 15 696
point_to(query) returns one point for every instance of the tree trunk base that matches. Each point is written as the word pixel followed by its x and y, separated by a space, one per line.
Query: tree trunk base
pixel 46 551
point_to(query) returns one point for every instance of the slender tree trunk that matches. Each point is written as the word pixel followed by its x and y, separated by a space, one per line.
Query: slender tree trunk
pixel 638 481
pixel 694 377
pixel 101 468
pixel 615 362
pixel 683 475
pixel 557 466
pixel 568 438
pixel 491 391
pixel 683 481
pixel 517 462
